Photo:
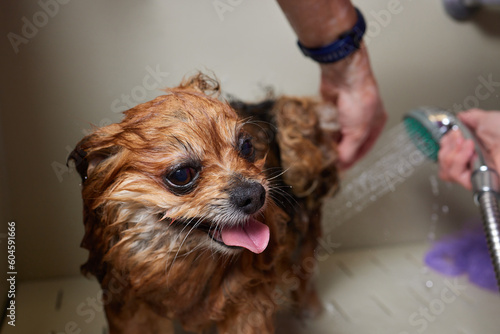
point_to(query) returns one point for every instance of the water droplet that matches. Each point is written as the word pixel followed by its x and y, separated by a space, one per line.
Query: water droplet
pixel 434 185
pixel 429 284
pixel 445 209
pixel 329 307
pixel 431 236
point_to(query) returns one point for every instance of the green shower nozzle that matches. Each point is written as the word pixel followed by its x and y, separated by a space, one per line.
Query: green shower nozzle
pixel 425 127
pixel 422 138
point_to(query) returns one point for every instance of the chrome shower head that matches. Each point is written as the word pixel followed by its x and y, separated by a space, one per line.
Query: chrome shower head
pixel 426 126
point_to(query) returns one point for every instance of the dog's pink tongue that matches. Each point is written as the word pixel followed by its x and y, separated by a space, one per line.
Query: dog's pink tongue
pixel 253 236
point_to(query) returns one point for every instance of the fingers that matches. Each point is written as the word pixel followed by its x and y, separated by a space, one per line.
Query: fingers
pixel 348 149
pixel 354 145
pixel 486 127
pixel 362 120
pixel 471 118
pixel 454 157
pixel 351 86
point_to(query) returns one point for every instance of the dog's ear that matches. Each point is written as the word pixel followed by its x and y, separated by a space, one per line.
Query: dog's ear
pixel 93 149
pixel 202 83
pixel 88 154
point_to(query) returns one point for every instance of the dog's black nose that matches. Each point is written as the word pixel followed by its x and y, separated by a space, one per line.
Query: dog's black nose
pixel 248 196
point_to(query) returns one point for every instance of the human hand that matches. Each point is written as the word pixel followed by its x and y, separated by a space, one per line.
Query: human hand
pixel 454 158
pixel 351 86
pixel 456 153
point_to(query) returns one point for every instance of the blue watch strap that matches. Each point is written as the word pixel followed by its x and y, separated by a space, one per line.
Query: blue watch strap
pixel 342 47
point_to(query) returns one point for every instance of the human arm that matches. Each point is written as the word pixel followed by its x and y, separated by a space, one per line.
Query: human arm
pixel 348 83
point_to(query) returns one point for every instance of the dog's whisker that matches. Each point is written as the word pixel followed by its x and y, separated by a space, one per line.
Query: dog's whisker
pixel 193 227
pixel 278 175
pixel 278 194
pixel 259 122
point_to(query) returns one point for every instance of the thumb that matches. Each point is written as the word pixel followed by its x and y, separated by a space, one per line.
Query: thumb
pixel 471 118
pixel 348 149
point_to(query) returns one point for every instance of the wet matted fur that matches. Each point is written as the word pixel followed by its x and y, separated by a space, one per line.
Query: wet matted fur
pixel 203 211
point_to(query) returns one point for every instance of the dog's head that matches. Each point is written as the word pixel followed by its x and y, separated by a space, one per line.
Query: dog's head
pixel 180 165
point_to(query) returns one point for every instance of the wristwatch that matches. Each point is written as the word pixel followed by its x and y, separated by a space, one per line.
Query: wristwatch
pixel 345 45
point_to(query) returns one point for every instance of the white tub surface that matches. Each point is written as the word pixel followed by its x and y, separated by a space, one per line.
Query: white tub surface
pixel 380 290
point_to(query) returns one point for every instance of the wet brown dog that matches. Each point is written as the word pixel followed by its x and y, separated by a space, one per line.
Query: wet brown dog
pixel 205 212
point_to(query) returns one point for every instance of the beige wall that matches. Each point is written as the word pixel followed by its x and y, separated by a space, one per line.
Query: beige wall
pixel 73 71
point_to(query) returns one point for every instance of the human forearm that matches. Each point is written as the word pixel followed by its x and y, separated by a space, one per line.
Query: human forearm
pixel 319 22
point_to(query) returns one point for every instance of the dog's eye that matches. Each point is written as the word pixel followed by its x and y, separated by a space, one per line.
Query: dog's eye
pixel 182 176
pixel 247 149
